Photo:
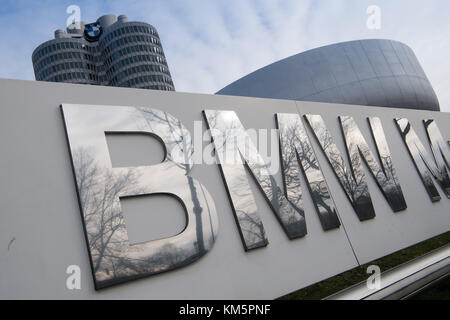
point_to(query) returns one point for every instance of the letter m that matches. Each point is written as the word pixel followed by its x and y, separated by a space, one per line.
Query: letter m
pixel 424 162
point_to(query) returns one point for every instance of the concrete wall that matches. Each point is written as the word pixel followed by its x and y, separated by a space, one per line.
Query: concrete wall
pixel 41 231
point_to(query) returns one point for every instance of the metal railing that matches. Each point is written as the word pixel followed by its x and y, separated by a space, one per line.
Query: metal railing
pixel 403 281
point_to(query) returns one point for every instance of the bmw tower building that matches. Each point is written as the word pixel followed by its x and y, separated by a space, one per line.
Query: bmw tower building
pixel 111 51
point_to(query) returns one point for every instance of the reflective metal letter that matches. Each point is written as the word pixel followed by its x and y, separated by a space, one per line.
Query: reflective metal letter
pixel 296 153
pixel 100 187
pixel 385 176
pixel 422 159
pixel 354 186
pixel 230 138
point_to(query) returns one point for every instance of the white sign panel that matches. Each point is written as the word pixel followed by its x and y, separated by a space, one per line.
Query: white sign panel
pixel 169 195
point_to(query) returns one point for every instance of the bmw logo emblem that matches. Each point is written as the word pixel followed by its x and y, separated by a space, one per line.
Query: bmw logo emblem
pixel 92 32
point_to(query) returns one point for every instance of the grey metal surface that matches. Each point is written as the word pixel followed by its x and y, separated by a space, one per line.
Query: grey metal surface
pixel 404 280
pixel 41 230
pixel 372 72
pixel 124 54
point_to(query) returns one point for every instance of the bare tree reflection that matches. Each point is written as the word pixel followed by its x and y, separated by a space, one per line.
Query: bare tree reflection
pixel 441 153
pixel 298 155
pixel 179 141
pixel 423 161
pixel 99 190
pixel 352 181
pixel 100 187
pixel 358 150
pixel 233 148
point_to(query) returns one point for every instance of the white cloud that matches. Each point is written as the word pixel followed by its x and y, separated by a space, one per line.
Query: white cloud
pixel 210 43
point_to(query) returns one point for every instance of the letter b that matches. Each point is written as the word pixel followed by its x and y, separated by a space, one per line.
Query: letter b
pixel 100 187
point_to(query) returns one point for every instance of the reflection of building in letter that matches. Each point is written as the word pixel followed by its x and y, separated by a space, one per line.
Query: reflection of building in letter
pixel 111 51
pixel 365 72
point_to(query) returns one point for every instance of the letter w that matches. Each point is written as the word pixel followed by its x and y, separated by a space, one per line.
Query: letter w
pixel 229 136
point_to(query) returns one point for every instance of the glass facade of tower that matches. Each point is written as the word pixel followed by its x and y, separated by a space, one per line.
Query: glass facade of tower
pixel 110 52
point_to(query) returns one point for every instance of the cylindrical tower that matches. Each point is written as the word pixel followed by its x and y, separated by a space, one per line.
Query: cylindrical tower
pixel 64 59
pixel 110 51
pixel 134 57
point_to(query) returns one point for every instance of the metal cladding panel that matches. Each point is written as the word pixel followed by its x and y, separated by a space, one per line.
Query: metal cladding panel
pixel 390 63
pixel 340 65
pixel 42 230
pixel 374 93
pixel 319 66
pixel 353 92
pixel 359 60
pixel 300 79
pixel 376 58
pixel 331 95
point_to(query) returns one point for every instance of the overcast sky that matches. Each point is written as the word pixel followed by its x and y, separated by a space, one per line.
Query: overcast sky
pixel 210 43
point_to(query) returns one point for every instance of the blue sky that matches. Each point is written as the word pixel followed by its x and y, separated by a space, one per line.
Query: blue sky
pixel 211 43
